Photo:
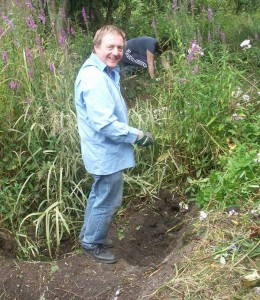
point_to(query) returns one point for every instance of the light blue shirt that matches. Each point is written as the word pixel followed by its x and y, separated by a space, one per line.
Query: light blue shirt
pixel 106 138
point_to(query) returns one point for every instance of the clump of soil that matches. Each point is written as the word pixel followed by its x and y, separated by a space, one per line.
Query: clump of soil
pixel 148 241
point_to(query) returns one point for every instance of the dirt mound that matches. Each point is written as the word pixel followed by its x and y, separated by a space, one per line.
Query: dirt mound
pixel 148 240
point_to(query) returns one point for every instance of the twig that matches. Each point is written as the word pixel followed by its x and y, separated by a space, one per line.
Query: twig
pixel 243 257
pixel 67 291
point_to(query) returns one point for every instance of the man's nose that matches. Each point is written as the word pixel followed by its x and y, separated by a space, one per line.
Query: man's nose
pixel 116 51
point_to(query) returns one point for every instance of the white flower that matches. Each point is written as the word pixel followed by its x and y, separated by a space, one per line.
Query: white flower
pixel 245 43
pixel 236 117
pixel 203 215
pixel 246 98
pixel 183 205
pixel 257 160
pixel 232 213
pixel 237 93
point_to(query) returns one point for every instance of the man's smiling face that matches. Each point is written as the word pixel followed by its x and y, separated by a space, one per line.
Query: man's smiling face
pixel 110 51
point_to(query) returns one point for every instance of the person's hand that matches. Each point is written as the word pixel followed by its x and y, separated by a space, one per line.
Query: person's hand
pixel 145 140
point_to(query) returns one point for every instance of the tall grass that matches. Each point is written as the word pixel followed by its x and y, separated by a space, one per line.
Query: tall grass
pixel 198 112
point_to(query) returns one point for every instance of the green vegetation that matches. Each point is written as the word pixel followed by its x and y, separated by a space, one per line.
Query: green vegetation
pixel 203 113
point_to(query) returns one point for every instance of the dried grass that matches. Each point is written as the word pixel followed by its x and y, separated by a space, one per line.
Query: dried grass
pixel 202 274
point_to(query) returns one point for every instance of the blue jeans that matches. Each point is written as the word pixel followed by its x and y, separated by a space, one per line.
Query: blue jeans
pixel 104 200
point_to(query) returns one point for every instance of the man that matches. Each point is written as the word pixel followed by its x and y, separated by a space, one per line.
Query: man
pixel 106 138
pixel 140 52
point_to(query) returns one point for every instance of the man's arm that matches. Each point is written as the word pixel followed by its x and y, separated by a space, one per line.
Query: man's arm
pixel 150 62
pixel 164 62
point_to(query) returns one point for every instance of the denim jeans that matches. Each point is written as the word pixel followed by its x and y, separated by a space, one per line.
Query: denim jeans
pixel 104 200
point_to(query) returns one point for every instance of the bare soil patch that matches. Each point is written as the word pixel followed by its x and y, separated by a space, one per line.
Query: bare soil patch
pixel 149 240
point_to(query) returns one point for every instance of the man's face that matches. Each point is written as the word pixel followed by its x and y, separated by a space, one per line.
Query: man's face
pixel 110 51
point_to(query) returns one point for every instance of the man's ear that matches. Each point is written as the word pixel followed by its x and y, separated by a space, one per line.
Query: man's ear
pixel 95 48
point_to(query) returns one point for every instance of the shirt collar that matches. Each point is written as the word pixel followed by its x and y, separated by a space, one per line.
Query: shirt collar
pixel 114 74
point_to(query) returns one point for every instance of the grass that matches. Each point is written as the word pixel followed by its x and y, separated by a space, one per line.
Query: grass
pixel 220 251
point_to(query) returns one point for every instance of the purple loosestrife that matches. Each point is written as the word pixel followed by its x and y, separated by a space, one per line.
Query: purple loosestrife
pixel 30 23
pixel 223 37
pixel 62 39
pixel 51 67
pixel 210 15
pixel 174 5
pixel 195 69
pixel 42 17
pixel 84 14
pixel 14 85
pixel 194 51
pixel 28 4
pixel 38 40
pixel 209 37
pixel 72 31
pixel 28 56
pixel 4 57
pixel 30 73
pixel 191 5
pixel 8 22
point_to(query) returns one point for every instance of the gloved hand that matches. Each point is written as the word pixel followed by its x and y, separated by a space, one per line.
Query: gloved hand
pixel 145 140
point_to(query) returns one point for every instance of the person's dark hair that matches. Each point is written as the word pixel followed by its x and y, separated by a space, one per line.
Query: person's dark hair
pixel 162 45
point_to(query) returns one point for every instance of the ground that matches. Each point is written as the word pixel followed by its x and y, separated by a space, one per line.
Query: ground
pixel 149 239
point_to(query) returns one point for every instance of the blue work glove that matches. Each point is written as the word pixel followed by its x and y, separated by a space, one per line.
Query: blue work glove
pixel 145 140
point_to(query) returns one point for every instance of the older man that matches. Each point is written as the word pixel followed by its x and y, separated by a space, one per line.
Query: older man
pixel 106 138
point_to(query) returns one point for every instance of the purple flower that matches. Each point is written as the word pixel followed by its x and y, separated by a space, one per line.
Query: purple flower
pixel 210 15
pixel 38 40
pixel 14 85
pixel 30 23
pixel 30 73
pixel 1 31
pixel 28 55
pixel 8 22
pixel 51 67
pixel 174 5
pixel 193 51
pixel 256 36
pixel 223 37
pixel 28 4
pixel 192 4
pixel 62 37
pixel 4 56
pixel 42 17
pixel 195 69
pixel 72 31
pixel 209 37
pixel 84 14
